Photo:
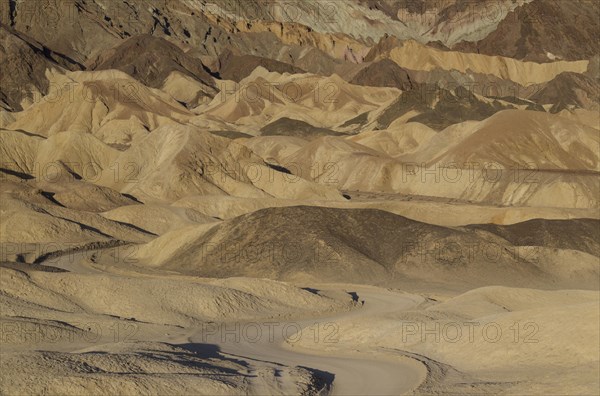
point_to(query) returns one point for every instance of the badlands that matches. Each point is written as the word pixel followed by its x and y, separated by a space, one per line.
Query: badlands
pixel 299 197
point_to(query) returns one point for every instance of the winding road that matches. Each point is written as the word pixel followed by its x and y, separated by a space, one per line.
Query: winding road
pixel 349 372
pixel 353 374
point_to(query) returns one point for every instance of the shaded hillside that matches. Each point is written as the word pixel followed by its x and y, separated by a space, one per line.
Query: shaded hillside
pixel 384 73
pixel 356 245
pixel 237 67
pixel 544 29
pixel 296 128
pixel 569 89
pixel 576 234
pixel 439 108
pixel 23 65
pixel 151 60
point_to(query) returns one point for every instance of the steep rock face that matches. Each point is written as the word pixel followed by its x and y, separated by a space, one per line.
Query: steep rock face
pixel 237 67
pixel 345 29
pixel 568 90
pixel 23 65
pixel 544 30
pixel 384 73
pixel 593 70
pixel 151 60
pixel 72 28
pixel 448 21
pixel 438 107
pixel 83 29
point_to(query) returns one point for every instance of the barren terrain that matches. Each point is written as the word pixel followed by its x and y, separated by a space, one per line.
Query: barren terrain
pixel 365 197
